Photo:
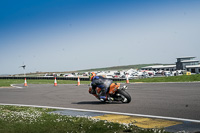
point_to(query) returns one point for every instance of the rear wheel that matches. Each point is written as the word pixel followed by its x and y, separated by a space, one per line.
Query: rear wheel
pixel 125 97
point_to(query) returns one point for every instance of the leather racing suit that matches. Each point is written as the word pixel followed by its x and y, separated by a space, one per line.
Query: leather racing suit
pixel 103 83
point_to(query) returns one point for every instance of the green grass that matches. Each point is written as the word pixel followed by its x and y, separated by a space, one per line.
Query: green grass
pixel 7 82
pixel 182 78
pixel 14 119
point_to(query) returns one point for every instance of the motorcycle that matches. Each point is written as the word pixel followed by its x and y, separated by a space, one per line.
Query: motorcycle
pixel 114 92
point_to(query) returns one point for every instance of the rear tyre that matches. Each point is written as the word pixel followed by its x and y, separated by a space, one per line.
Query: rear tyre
pixel 126 98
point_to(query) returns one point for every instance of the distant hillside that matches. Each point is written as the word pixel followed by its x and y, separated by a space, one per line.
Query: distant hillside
pixel 4 74
pixel 118 68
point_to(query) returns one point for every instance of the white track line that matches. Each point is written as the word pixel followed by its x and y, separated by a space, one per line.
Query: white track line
pixel 16 86
pixel 107 112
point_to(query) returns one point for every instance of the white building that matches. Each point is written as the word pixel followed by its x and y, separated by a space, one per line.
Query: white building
pixel 193 69
pixel 160 67
pixel 187 63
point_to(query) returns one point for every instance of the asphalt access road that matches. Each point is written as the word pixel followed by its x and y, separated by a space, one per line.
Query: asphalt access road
pixel 180 100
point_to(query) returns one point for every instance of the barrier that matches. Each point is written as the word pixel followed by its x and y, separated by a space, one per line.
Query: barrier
pixel 55 82
pixel 127 80
pixel 25 83
pixel 58 78
pixel 78 82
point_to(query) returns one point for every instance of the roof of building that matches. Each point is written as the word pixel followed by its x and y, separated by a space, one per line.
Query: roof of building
pixel 193 66
pixel 184 57
pixel 190 61
pixel 160 66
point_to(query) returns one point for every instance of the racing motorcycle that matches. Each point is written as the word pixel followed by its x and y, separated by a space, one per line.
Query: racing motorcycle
pixel 114 92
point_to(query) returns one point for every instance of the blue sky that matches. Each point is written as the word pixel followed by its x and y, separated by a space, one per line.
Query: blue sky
pixel 65 35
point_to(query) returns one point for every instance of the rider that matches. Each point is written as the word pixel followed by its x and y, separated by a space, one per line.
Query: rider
pixel 101 82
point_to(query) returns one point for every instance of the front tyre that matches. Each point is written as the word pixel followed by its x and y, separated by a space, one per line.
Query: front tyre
pixel 125 97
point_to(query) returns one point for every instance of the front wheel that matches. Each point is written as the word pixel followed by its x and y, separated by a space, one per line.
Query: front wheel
pixel 125 97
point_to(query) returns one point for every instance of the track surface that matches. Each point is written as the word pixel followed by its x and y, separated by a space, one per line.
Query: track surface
pixel 180 100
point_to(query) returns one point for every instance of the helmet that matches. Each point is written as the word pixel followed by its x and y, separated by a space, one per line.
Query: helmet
pixel 92 74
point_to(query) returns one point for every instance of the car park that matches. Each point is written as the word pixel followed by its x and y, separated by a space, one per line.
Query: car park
pixel 68 75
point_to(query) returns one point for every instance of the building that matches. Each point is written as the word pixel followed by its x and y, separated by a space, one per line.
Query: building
pixel 194 68
pixel 160 67
pixel 183 63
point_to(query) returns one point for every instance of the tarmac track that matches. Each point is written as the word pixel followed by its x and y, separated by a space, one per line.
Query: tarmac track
pixel 179 100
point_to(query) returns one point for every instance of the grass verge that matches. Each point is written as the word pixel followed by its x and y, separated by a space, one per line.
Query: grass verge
pixel 8 82
pixel 14 119
pixel 182 78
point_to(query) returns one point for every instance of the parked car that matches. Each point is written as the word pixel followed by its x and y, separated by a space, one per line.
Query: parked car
pixel 109 76
pixel 68 75
pixel 129 76
pixel 116 76
pixel 168 73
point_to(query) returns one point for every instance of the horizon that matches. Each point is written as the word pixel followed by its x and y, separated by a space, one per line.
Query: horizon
pixel 89 69
pixel 75 35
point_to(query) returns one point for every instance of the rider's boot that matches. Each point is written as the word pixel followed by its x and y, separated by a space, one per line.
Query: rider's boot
pixel 102 98
pixel 110 99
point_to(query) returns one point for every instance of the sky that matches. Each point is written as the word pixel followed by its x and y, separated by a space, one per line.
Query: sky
pixel 68 35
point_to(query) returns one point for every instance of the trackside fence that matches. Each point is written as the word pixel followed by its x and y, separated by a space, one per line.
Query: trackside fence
pixel 58 78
